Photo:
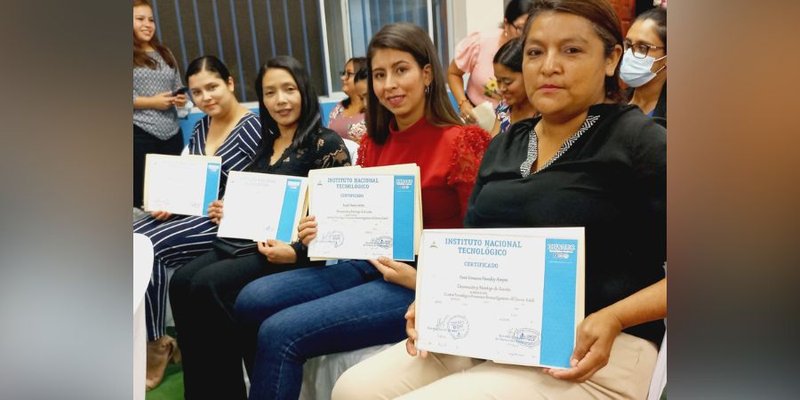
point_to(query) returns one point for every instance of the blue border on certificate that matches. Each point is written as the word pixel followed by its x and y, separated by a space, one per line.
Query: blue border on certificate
pixel 403 229
pixel 288 210
pixel 558 304
pixel 213 170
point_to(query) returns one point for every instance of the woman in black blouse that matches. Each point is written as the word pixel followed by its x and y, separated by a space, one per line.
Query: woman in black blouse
pixel 588 161
pixel 203 291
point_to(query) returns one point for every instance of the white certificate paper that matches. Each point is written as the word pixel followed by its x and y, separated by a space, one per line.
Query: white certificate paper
pixel 361 215
pixel 513 296
pixel 183 185
pixel 262 206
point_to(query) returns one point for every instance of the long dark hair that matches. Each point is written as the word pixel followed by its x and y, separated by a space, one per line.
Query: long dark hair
pixel 309 121
pixel 509 55
pixel 411 39
pixel 605 22
pixel 359 63
pixel 517 8
pixel 140 57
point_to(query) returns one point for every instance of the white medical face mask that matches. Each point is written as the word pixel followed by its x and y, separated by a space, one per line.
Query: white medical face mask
pixel 636 71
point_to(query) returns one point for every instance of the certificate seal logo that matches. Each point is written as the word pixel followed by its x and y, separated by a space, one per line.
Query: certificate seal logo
pixel 458 326
pixel 526 336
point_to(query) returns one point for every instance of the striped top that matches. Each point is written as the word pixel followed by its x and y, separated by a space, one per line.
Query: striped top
pixel 237 150
pixel 162 124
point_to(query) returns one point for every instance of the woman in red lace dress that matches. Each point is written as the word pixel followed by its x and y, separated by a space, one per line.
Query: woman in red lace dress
pixel 308 312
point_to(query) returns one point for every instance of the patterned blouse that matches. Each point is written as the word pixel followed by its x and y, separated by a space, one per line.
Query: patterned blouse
pixel 325 150
pixel 353 127
pixel 503 113
pixel 162 124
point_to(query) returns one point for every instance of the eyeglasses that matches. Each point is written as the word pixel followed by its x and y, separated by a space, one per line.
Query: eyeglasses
pixel 640 50
pixel 346 74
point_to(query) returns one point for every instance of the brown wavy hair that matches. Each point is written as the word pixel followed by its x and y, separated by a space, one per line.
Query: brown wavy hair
pixel 411 39
pixel 140 57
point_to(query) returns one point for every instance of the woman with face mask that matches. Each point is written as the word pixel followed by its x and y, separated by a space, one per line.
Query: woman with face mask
pixel 644 63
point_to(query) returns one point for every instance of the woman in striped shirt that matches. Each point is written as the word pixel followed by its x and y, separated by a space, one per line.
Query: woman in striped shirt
pixel 229 130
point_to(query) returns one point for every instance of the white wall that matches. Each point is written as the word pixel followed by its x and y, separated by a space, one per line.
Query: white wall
pixel 475 16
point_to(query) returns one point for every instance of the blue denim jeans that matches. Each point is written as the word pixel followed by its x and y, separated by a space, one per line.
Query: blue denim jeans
pixel 309 312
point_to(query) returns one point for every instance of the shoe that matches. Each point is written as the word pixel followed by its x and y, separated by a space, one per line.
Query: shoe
pixel 159 353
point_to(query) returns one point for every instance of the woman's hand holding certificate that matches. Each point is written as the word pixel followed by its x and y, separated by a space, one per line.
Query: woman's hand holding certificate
pixel 411 332
pixel 595 336
pixel 307 229
pixel 215 211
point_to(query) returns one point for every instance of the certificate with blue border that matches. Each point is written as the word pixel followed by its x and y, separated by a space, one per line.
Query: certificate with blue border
pixel 262 206
pixel 512 296
pixel 365 213
pixel 183 185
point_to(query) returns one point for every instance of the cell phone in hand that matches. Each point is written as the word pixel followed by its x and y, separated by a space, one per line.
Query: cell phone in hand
pixel 182 90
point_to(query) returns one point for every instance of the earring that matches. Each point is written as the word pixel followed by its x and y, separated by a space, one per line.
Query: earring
pixel 427 89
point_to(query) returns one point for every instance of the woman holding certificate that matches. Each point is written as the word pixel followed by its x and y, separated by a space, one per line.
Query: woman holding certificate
pixel 588 161
pixel 354 304
pixel 203 291
pixel 228 130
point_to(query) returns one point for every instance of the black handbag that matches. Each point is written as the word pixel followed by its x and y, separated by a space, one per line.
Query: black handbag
pixel 235 247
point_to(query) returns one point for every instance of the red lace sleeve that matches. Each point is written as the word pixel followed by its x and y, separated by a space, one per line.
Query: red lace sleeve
pixel 469 147
pixel 363 152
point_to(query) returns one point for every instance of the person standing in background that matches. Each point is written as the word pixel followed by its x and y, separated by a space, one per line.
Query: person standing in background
pixel 347 118
pixel 155 81
pixel 474 55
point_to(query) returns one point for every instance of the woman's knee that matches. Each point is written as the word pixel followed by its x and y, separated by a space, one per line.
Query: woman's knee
pixel 350 387
pixel 253 305
pixel 180 282
pixel 276 336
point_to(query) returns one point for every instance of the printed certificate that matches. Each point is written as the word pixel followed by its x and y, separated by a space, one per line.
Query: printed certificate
pixel 365 213
pixel 183 185
pixel 513 296
pixel 262 206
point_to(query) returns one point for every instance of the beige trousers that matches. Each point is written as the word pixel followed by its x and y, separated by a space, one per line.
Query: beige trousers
pixel 393 374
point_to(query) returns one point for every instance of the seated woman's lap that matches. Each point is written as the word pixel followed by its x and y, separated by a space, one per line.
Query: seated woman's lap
pixel 184 237
pixel 626 376
pixel 266 296
pixel 365 315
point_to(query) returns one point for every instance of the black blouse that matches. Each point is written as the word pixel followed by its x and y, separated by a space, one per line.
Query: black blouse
pixel 610 180
pixel 325 149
